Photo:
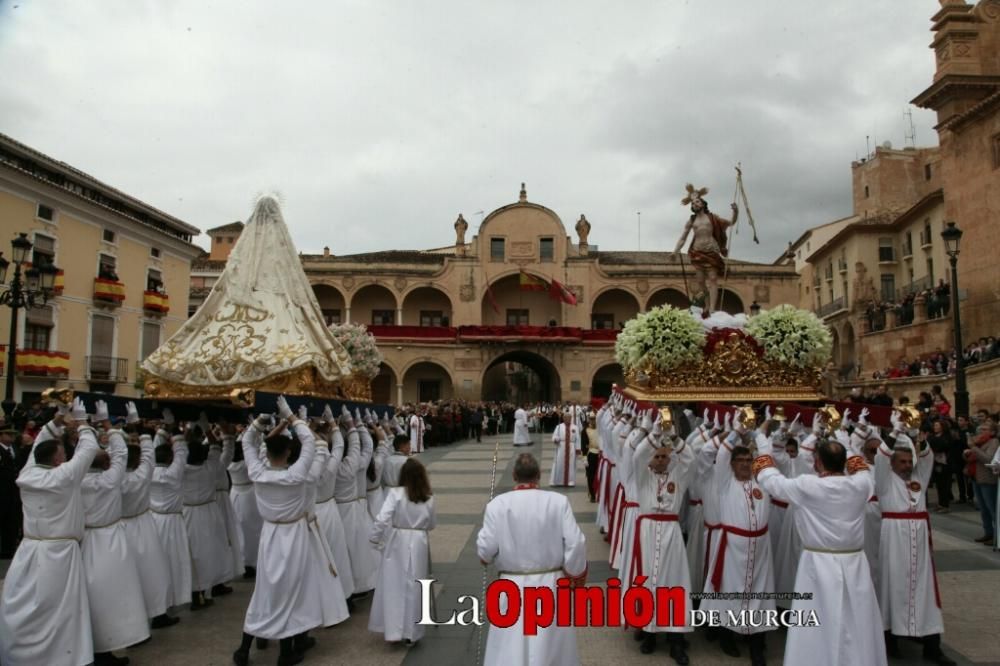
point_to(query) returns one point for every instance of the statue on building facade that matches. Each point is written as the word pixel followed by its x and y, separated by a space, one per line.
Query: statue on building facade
pixel 583 230
pixel 708 250
pixel 461 226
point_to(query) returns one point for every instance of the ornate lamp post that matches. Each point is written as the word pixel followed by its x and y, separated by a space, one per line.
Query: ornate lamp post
pixel 754 309
pixel 952 235
pixel 34 291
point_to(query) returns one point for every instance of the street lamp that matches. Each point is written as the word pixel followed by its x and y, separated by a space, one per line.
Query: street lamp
pixel 952 235
pixel 33 292
pixel 754 309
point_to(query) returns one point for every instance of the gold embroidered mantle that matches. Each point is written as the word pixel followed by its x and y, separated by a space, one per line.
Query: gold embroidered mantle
pixel 732 372
pixel 301 381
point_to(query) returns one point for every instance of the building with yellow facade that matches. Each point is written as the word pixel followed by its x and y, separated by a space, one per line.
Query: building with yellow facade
pixel 123 283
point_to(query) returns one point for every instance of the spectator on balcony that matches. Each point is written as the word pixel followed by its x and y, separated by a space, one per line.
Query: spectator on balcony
pixel 901 370
pixel 943 293
pixel 107 272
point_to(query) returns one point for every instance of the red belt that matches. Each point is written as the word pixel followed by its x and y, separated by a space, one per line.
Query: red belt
pixel 616 505
pixel 694 502
pixel 637 542
pixel 778 502
pixel 873 498
pixel 720 555
pixel 919 515
pixel 616 540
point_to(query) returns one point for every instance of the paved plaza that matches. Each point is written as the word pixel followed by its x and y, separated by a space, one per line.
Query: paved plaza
pixel 969 576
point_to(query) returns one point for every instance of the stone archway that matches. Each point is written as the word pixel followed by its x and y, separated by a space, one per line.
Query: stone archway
pixel 604 377
pixel 427 381
pixel 521 377
pixel 384 386
pixel 427 306
pixel 668 296
pixel 331 303
pixel 612 308
pixel 729 301
pixel 373 304
pixel 505 303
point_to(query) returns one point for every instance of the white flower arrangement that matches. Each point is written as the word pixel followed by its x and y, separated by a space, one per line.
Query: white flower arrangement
pixel 662 338
pixel 360 346
pixel 792 336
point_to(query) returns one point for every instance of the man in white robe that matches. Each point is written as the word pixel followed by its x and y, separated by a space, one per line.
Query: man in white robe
pixel 416 433
pixel 353 505
pixel 327 516
pixel 865 441
pixel 117 608
pixel 829 517
pixel 234 536
pixel 166 502
pixel 522 437
pixel 603 480
pixel 400 454
pixel 630 508
pixel 244 503
pixel 44 610
pixel 532 538
pixel 661 471
pixel 140 532
pixel 908 588
pixel 211 557
pixel 287 601
pixel 696 546
pixel 741 558
pixel 566 438
pixel 795 459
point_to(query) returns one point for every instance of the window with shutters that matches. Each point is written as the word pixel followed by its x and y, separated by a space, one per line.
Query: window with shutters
pixel 43 251
pixel 150 338
pixel 38 325
pixel 45 213
pixel 154 280
pixel 102 341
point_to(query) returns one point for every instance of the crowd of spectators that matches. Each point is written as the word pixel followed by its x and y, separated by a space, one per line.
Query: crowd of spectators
pixel 937 301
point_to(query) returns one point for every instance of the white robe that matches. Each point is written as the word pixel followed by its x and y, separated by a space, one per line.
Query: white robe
pixel 746 567
pixel 619 433
pixel 658 550
pixel 352 503
pixel 695 546
pixel 400 532
pixel 564 462
pixel 604 416
pixel 521 435
pixel 373 489
pixel 328 517
pixel 140 532
pixel 286 599
pixel 788 551
pixel 630 509
pixel 829 516
pixel 907 581
pixel 234 536
pixel 211 556
pixel 44 610
pixel 325 573
pixel 532 538
pixel 166 501
pixel 245 510
pixel 390 470
pixel 416 434
pixel 117 608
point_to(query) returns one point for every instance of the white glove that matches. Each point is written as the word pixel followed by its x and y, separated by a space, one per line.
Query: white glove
pixel 79 411
pixel 767 412
pixel 704 417
pixel 845 421
pixel 131 412
pixel 328 414
pixel 841 436
pixel 817 423
pixel 284 411
pixel 726 421
pixel 863 419
pixel 357 415
pixel 101 411
pixel 168 417
pixel 738 422
pixel 764 445
pixel 62 409
pixel 303 413
pixel 717 426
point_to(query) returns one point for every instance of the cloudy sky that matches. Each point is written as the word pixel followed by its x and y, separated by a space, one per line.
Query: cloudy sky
pixel 378 122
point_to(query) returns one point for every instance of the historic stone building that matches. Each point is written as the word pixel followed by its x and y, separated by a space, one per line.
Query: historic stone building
pixel 456 321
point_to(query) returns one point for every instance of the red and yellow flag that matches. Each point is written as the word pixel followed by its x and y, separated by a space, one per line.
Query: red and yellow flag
pixel 531 282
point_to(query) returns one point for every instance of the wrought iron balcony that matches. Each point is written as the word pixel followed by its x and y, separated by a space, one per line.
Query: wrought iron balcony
pixel 107 369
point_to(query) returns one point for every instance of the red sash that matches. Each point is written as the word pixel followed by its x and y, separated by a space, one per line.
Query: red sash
pixel 616 541
pixel 637 541
pixel 779 503
pixel 616 505
pixel 607 488
pixel 873 498
pixel 694 502
pixel 919 515
pixel 708 547
pixel 720 555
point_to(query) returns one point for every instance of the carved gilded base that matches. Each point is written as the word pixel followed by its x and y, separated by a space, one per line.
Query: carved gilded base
pixel 732 372
pixel 301 381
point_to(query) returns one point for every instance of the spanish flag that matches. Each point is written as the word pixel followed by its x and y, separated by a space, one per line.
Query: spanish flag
pixel 559 292
pixel 531 282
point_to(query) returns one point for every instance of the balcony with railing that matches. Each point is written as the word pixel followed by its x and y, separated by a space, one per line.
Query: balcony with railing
pixel 842 266
pixel 107 369
pixel 108 292
pixel 38 362
pixel 886 254
pixel 914 287
pixel 828 273
pixel 456 334
pixel 926 240
pixel 836 305
pixel 907 249
pixel 155 303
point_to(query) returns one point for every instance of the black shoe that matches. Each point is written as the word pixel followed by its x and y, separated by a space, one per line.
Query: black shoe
pixel 303 645
pixel 164 621
pixel 249 573
pixel 290 659
pixel 648 644
pixel 109 659
pixel 678 653
pixel 941 659
pixel 262 643
pixel 891 646
pixel 350 606
pixel 639 635
pixel 241 658
pixel 221 590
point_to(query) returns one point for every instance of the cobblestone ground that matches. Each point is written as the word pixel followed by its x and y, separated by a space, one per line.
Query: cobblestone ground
pixel 969 576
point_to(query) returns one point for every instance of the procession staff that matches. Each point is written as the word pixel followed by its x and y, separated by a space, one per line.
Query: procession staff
pixel 661 472
pixel 166 501
pixel 400 533
pixel 117 608
pixel 287 599
pixel 908 588
pixel 521 435
pixel 44 610
pixel 566 437
pixel 741 562
pixel 140 532
pixel 829 517
pixel 244 502
pixel 532 537
pixel 327 515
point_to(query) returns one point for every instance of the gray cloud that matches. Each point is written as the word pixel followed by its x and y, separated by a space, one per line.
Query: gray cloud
pixel 379 122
